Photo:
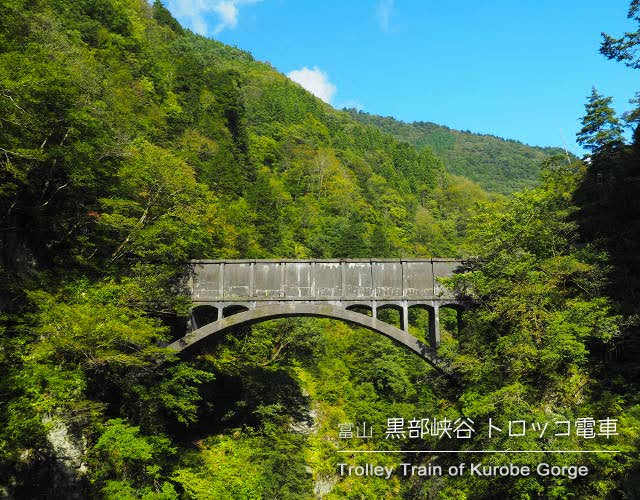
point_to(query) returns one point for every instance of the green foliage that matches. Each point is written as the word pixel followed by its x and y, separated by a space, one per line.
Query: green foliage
pixel 608 219
pixel 122 452
pixel 498 165
pixel 247 466
pixel 624 48
pixel 600 127
pixel 536 343
pixel 164 17
pixel 129 146
pixel 91 354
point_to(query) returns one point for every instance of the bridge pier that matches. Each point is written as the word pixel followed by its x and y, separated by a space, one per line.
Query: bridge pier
pixel 404 317
pixel 434 326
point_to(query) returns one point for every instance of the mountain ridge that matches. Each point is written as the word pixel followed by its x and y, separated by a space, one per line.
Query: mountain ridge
pixel 495 163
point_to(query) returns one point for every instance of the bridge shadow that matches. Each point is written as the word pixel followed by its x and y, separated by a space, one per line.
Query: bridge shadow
pixel 203 315
pixel 247 391
pixel 246 399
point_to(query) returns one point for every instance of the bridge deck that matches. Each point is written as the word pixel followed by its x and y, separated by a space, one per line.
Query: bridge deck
pixel 320 280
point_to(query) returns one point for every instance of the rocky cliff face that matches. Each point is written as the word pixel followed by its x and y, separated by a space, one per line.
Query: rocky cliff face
pixel 68 448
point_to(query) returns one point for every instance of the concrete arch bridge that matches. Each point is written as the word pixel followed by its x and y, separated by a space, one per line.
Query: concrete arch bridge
pixel 230 293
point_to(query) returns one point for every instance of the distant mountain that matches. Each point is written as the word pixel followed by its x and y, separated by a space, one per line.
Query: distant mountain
pixel 497 164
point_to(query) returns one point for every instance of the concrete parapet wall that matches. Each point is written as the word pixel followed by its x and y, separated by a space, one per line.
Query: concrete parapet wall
pixel 351 279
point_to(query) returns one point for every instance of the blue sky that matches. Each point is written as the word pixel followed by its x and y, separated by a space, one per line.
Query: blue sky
pixel 519 70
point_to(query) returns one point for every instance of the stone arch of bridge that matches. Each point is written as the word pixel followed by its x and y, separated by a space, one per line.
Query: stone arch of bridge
pixel 402 311
pixel 369 309
pixel 231 309
pixel 252 316
pixel 203 315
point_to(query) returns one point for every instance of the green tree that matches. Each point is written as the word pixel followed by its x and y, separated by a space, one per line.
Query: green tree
pixel 380 241
pixel 600 127
pixel 624 48
pixel 164 17
pixel 536 340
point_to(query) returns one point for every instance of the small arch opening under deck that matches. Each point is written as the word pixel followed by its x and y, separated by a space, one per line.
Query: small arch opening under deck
pixel 233 309
pixel 203 315
pixel 365 309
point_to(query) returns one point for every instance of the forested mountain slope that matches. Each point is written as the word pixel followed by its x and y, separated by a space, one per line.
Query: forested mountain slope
pixel 128 146
pixel 90 91
pixel 499 165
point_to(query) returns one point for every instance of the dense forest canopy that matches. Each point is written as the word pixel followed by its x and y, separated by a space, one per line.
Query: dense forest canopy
pixel 129 145
pixel 498 165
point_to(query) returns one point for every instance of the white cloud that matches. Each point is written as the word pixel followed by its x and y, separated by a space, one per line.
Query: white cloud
pixel 228 14
pixel 194 13
pixel 384 10
pixel 315 81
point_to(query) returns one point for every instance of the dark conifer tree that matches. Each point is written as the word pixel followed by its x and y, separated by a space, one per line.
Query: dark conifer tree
pixel 600 127
pixel 624 48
